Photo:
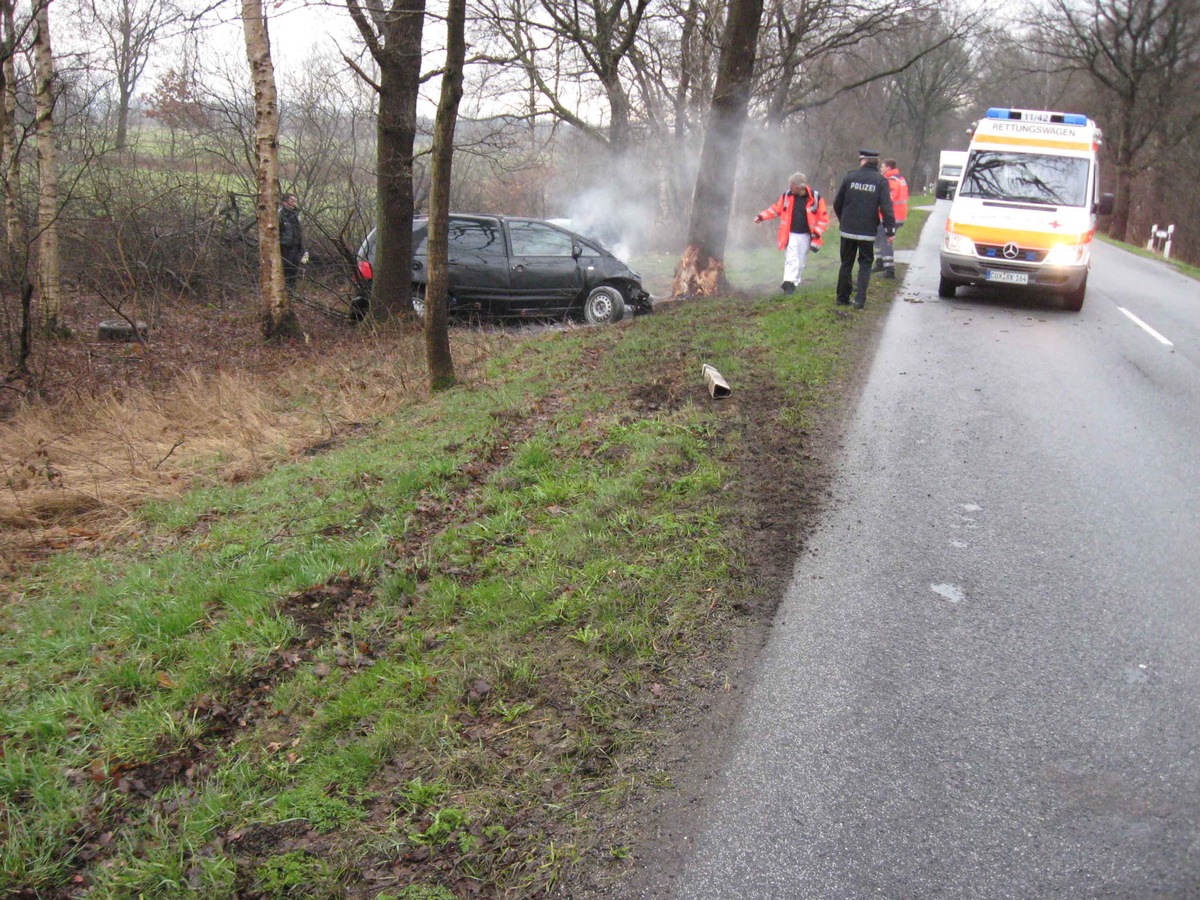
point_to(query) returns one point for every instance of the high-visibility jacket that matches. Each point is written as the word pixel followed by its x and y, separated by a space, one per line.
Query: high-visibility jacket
pixel 899 191
pixel 814 210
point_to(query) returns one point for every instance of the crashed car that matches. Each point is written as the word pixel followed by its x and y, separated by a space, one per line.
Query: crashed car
pixel 520 268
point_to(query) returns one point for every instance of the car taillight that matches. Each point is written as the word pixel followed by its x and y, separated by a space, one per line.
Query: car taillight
pixel 364 269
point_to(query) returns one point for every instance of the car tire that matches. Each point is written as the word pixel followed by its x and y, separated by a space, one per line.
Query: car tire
pixel 604 305
pixel 947 288
pixel 1074 299
pixel 418 301
pixel 121 330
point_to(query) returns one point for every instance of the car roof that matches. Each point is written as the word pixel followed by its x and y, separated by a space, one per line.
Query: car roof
pixel 494 218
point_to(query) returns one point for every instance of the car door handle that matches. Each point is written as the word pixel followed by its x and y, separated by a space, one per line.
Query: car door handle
pixel 417 266
pixel 518 268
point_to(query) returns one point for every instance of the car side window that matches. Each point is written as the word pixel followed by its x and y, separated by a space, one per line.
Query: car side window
pixel 535 239
pixel 478 238
pixel 420 241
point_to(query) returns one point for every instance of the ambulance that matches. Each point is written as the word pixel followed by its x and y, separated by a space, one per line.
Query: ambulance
pixel 1024 215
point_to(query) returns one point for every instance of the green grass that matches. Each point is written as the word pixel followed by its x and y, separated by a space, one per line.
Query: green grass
pixel 431 645
pixel 1181 267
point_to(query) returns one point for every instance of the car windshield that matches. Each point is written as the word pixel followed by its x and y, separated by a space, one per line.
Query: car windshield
pixel 1026 178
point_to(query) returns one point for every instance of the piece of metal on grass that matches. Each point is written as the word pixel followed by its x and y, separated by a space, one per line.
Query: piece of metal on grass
pixel 718 387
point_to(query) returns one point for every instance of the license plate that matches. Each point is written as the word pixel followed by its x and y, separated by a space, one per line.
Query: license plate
pixel 1008 277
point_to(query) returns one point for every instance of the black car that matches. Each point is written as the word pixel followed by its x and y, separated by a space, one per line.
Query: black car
pixel 521 268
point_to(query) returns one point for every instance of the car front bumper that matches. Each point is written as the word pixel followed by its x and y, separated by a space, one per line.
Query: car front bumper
pixel 962 269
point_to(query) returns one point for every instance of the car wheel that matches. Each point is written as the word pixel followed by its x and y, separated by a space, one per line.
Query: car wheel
pixel 120 330
pixel 604 304
pixel 1074 300
pixel 946 288
pixel 418 301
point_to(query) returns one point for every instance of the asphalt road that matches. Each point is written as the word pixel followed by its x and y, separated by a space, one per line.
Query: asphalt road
pixel 984 680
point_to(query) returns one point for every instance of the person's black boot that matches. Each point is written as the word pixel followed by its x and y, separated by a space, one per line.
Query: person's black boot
pixel 788 287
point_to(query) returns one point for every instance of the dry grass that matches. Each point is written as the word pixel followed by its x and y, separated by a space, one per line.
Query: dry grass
pixel 75 471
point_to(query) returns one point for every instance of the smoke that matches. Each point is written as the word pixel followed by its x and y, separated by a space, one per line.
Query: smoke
pixel 638 203
pixel 614 199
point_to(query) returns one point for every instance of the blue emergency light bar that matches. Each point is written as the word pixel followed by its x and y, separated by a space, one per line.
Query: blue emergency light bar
pixel 997 112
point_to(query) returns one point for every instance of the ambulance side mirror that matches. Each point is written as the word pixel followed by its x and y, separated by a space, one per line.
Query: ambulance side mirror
pixel 1105 207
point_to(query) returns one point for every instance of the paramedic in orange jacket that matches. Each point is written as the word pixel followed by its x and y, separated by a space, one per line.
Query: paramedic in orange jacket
pixel 885 258
pixel 797 234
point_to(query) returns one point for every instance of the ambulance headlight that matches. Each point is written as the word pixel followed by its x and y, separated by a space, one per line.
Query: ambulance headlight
pixel 1067 255
pixel 958 243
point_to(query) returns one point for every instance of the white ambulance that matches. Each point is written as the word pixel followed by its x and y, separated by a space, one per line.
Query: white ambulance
pixel 1024 215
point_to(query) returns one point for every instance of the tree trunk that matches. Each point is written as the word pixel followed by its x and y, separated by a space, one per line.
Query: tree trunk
pixel 701 270
pixel 618 104
pixel 399 82
pixel 437 335
pixel 123 100
pixel 49 282
pixel 14 232
pixel 278 319
pixel 1118 225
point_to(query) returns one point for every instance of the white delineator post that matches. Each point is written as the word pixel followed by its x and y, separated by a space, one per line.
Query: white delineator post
pixel 1160 239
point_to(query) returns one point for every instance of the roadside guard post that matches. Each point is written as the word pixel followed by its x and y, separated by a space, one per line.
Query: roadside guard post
pixel 1160 240
pixel 718 388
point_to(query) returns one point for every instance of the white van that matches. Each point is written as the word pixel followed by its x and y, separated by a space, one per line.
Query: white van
pixel 1024 215
pixel 950 166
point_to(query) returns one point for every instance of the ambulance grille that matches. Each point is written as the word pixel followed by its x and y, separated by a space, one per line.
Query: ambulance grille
pixel 996 251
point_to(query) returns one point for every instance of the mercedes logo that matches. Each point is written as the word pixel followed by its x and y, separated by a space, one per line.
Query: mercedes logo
pixel 1011 250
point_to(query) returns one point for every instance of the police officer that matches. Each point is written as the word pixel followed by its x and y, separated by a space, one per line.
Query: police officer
pixel 862 202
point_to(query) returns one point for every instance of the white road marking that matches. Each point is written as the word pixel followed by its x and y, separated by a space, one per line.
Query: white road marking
pixel 1154 334
pixel 950 592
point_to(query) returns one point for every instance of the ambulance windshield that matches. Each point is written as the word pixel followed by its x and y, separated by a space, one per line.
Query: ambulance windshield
pixel 1026 178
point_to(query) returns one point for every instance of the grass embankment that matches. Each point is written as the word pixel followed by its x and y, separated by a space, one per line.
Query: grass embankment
pixel 1181 267
pixel 423 662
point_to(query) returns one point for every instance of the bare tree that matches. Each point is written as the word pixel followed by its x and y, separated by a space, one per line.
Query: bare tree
pixel 9 159
pixel 1143 59
pixel 437 336
pixel 129 29
pixel 929 92
pixel 278 320
pixel 49 282
pixel 701 270
pixel 392 35
pixel 809 41
pixel 15 272
pixel 603 34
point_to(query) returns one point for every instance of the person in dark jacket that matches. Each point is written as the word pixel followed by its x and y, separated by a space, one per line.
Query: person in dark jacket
pixel 862 202
pixel 291 239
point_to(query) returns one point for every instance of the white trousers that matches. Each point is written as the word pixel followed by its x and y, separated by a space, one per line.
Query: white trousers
pixel 794 255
